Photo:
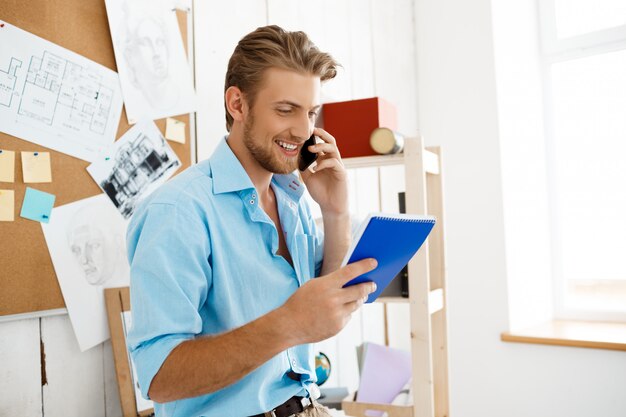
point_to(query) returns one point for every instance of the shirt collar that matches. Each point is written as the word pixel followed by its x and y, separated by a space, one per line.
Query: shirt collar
pixel 230 176
pixel 227 172
pixel 290 183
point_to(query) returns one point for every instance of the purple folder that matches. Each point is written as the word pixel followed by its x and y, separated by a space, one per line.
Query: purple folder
pixel 385 372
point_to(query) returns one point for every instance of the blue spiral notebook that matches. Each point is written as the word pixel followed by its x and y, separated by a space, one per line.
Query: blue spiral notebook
pixel 392 239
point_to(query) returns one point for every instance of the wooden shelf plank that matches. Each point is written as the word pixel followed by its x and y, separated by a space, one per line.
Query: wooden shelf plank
pixel 373 161
pixel 435 300
pixel 431 161
pixel 392 300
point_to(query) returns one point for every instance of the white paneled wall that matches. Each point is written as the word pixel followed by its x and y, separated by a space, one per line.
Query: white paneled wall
pixel 20 370
pixel 374 41
pixel 85 371
pixel 43 372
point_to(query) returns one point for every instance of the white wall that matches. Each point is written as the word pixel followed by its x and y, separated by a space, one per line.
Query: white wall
pixel 458 109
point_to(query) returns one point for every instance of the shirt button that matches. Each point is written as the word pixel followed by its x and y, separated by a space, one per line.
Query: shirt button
pixel 251 201
pixel 253 195
pixel 293 362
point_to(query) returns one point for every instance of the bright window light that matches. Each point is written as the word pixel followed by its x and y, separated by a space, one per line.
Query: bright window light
pixel 589 167
pixel 578 17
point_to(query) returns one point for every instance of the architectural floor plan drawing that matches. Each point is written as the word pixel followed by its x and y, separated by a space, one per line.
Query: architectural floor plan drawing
pixel 8 79
pixel 55 97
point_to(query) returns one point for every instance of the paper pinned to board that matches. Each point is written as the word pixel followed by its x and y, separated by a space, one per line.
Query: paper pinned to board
pixel 7 205
pixel 154 73
pixel 175 130
pixel 54 97
pixel 37 205
pixel 36 167
pixel 134 166
pixel 87 245
pixel 7 166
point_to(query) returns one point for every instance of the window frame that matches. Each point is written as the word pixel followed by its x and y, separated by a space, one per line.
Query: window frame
pixel 555 50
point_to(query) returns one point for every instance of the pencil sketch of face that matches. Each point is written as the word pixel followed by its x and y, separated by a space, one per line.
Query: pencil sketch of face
pixel 147 53
pixel 145 40
pixel 94 244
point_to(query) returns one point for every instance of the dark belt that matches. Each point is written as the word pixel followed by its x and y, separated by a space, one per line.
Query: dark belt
pixel 292 406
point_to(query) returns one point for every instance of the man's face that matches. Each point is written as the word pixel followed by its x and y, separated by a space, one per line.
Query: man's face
pixel 282 118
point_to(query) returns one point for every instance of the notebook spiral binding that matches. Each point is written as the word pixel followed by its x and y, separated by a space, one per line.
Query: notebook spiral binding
pixel 429 220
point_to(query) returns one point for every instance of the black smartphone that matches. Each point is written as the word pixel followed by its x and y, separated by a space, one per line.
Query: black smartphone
pixel 306 156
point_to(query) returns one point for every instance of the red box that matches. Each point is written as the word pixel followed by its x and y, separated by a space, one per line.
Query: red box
pixel 351 123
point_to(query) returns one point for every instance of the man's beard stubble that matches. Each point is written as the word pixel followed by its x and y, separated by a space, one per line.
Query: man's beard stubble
pixel 264 155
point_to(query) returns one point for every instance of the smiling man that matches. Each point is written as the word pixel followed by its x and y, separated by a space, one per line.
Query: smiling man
pixel 231 281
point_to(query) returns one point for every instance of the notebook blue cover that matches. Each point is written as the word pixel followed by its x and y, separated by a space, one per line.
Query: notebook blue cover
pixel 392 239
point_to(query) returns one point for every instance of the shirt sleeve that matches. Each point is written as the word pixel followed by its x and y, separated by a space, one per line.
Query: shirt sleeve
pixel 168 251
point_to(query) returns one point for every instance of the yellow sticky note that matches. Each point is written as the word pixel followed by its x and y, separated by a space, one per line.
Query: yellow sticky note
pixel 7 166
pixel 7 204
pixel 36 167
pixel 175 130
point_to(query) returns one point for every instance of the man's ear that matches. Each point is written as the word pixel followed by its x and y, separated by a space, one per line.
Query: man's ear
pixel 235 103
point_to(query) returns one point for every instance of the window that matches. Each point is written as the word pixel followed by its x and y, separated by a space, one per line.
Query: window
pixel 584 56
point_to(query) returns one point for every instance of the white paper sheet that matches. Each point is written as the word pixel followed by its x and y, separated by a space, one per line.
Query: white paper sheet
pixel 141 403
pixel 86 241
pixel 154 73
pixel 134 166
pixel 54 97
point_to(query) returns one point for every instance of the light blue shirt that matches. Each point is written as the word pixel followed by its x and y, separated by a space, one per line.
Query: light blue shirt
pixel 203 261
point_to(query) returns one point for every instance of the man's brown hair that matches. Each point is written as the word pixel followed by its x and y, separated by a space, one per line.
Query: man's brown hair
pixel 272 46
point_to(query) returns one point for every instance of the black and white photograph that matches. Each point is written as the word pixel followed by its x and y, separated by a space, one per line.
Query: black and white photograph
pixel 134 166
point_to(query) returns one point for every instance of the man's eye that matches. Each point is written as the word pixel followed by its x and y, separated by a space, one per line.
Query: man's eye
pixel 76 250
pixel 313 114
pixel 284 111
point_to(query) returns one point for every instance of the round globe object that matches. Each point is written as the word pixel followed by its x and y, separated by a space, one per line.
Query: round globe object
pixel 322 368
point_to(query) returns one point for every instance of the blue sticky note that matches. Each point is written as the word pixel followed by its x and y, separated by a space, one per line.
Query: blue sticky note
pixel 37 205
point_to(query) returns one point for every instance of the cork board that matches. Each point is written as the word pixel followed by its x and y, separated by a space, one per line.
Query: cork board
pixel 28 283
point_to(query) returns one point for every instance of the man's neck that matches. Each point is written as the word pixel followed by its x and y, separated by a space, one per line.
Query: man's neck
pixel 261 178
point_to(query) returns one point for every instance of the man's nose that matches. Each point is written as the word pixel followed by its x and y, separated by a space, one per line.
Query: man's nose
pixel 303 127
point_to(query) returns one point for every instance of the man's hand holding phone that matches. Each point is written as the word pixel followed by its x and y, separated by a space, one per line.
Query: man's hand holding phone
pixel 327 181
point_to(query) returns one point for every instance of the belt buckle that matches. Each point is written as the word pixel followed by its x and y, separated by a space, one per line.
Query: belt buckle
pixel 270 413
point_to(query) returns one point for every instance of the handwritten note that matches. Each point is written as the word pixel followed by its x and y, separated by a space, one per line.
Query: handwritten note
pixel 36 167
pixel 7 166
pixel 175 130
pixel 7 204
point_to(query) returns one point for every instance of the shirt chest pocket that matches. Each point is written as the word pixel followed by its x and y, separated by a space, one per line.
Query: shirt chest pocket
pixel 305 258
